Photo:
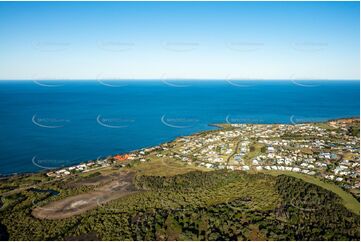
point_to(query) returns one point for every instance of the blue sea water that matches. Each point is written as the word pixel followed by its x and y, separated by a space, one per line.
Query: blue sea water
pixel 49 125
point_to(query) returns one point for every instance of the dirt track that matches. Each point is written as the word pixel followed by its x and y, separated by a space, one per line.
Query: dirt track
pixel 78 204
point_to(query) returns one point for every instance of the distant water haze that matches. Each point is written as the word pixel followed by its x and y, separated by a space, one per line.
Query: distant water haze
pixel 47 124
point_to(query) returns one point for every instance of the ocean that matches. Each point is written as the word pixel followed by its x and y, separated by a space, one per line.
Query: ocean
pixel 47 124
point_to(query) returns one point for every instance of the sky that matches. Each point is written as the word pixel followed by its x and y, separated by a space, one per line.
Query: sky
pixel 184 40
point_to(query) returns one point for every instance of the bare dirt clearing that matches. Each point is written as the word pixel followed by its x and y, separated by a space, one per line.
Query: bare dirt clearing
pixel 120 186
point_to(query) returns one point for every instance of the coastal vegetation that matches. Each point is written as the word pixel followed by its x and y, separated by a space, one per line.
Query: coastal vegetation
pixel 346 198
pixel 216 205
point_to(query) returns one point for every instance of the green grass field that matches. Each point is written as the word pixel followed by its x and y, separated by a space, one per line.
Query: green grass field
pixel 253 153
pixel 158 166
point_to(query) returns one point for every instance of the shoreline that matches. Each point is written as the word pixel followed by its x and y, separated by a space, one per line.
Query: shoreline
pixel 218 126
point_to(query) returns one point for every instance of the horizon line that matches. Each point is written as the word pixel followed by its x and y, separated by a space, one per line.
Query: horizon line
pixel 184 79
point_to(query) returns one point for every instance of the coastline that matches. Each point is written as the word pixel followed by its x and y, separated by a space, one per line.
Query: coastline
pixel 218 126
pixel 118 176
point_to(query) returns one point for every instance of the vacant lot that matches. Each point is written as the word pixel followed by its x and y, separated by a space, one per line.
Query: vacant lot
pixel 158 166
pixel 91 181
pixel 120 186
